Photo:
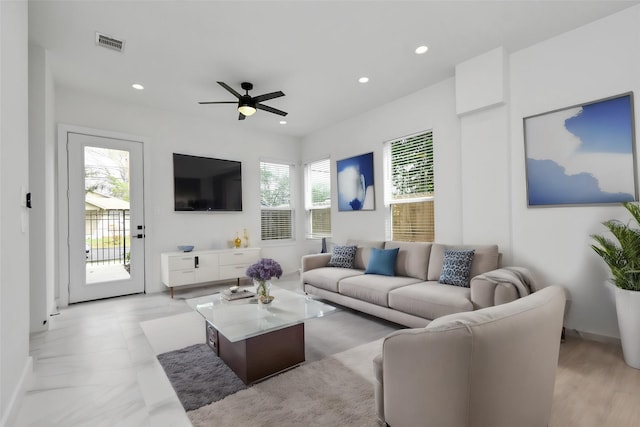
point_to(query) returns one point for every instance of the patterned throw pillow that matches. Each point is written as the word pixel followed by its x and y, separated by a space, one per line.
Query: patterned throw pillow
pixel 342 256
pixel 456 267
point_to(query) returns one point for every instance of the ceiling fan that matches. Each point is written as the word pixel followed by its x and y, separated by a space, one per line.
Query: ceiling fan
pixel 248 104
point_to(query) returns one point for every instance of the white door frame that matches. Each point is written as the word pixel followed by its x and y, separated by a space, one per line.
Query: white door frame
pixel 62 299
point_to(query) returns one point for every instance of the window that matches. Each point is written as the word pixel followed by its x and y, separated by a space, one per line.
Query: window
pixel 318 198
pixel 276 215
pixel 409 187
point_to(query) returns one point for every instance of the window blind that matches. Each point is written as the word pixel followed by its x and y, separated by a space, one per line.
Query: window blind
pixel 409 187
pixel 318 198
pixel 276 213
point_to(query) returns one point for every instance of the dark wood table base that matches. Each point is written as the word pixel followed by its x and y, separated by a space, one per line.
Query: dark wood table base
pixel 258 357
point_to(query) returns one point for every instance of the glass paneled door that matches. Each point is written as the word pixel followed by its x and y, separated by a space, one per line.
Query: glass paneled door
pixel 106 228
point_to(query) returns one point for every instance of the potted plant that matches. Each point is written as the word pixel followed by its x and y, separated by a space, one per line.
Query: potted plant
pixel 622 255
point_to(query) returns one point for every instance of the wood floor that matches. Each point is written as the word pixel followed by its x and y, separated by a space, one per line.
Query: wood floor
pixel 594 387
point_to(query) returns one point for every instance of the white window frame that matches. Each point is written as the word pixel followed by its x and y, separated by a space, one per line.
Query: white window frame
pixel 289 208
pixel 309 205
pixel 390 198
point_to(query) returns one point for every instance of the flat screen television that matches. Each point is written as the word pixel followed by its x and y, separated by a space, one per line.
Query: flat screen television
pixel 206 184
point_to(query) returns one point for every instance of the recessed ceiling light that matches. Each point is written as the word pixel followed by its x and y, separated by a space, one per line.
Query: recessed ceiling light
pixel 363 79
pixel 421 49
pixel 137 86
pixel 283 122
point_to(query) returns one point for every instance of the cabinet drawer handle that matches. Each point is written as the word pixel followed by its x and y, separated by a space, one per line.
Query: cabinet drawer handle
pixel 187 271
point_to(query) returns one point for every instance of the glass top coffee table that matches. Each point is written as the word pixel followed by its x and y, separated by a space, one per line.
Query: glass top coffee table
pixel 258 340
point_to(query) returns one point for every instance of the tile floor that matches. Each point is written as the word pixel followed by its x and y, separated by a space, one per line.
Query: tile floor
pixel 95 367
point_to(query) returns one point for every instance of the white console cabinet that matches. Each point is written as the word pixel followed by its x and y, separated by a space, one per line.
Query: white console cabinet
pixel 188 268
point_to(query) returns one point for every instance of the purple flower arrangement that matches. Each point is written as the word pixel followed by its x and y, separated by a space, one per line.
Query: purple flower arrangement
pixel 264 269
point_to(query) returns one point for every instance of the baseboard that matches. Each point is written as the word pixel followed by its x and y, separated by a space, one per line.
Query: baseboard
pixel 593 337
pixel 11 414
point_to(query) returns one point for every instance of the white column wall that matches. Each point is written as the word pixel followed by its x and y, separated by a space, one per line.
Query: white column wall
pixel 15 363
pixel 41 180
pixel 485 172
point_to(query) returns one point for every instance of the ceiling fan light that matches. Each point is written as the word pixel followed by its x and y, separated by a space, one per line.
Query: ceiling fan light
pixel 246 106
pixel 246 110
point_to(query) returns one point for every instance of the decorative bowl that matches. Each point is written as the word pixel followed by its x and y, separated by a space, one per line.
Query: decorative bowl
pixel 233 289
pixel 185 248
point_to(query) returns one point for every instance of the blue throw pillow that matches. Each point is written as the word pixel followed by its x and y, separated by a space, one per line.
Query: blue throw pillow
pixel 456 267
pixel 382 261
pixel 343 256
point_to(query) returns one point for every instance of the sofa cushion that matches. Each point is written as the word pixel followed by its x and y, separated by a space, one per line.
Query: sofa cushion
pixel 372 288
pixel 430 300
pixel 328 277
pixel 456 267
pixel 382 261
pixel 413 258
pixel 342 256
pixel 364 251
pixel 485 259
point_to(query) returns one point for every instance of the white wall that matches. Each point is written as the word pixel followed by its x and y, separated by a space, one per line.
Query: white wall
pixel 166 133
pixel 596 61
pixel 480 176
pixel 42 181
pixel 431 108
pixel 15 363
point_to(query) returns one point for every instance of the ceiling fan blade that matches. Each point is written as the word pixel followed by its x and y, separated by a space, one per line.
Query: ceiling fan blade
pixel 241 116
pixel 268 96
pixel 219 102
pixel 270 109
pixel 230 89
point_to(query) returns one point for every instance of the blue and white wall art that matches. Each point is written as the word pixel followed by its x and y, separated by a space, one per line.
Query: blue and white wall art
pixel 582 155
pixel 355 183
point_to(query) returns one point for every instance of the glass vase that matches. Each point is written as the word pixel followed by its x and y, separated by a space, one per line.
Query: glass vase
pixel 262 291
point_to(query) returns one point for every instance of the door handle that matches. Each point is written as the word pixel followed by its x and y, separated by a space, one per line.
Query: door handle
pixel 140 236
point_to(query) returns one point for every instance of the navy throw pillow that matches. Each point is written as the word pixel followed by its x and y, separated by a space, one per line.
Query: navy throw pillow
pixel 456 267
pixel 343 256
pixel 382 261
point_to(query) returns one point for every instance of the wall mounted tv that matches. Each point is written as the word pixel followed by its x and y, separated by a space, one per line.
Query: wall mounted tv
pixel 206 184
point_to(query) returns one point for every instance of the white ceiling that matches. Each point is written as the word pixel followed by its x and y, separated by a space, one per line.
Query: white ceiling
pixel 314 51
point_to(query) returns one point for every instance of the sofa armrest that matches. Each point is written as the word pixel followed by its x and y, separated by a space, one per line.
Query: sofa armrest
pixel 423 371
pixel 487 293
pixel 501 286
pixel 309 262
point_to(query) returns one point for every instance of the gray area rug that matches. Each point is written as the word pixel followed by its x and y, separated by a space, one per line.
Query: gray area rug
pixel 335 391
pixel 198 376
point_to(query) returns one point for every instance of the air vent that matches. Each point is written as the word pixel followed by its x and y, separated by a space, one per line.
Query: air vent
pixel 109 42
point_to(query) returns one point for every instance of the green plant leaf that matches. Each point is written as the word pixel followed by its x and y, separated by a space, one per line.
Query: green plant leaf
pixel 622 255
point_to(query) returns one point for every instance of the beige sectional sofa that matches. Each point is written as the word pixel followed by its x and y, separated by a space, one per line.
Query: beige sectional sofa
pixel 413 296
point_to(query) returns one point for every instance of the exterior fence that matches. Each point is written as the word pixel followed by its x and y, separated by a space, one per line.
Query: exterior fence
pixel 107 236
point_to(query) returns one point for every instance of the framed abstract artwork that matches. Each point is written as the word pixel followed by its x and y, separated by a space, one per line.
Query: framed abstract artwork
pixel 581 155
pixel 355 183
